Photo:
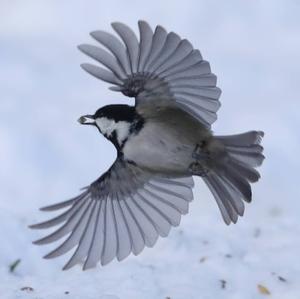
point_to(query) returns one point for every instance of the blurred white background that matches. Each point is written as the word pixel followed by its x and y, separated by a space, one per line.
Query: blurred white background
pixel 46 156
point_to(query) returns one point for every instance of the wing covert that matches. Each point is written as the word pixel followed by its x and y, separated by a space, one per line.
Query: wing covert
pixel 159 70
pixel 123 211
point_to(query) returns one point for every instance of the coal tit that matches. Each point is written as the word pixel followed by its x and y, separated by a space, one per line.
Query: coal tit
pixel 162 142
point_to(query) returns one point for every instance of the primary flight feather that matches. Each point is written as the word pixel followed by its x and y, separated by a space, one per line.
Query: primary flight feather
pixel 162 142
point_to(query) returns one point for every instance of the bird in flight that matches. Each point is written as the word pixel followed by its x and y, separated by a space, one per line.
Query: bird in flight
pixel 162 142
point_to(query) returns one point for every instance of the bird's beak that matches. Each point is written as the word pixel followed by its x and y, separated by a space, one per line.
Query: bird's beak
pixel 87 120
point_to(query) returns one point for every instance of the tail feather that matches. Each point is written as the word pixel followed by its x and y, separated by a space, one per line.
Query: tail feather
pixel 229 180
pixel 226 209
pixel 244 147
pixel 234 196
pixel 228 201
pixel 238 182
pixel 243 140
pixel 251 174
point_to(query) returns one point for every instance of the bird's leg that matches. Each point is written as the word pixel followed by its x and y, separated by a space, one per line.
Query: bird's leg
pixel 199 152
pixel 201 156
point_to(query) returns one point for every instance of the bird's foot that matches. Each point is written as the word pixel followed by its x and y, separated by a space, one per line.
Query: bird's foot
pixel 197 169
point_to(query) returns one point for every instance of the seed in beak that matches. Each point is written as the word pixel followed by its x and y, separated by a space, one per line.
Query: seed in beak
pixel 82 120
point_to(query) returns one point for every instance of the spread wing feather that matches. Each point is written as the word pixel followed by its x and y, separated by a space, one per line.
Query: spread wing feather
pixel 158 42
pixel 123 211
pixel 146 35
pixel 160 69
pixel 131 42
pixel 115 46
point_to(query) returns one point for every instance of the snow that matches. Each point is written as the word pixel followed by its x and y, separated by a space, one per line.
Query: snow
pixel 190 263
pixel 46 156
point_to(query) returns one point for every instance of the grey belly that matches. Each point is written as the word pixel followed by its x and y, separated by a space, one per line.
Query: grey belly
pixel 162 148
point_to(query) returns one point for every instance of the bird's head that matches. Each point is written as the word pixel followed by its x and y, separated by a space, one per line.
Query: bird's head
pixel 115 122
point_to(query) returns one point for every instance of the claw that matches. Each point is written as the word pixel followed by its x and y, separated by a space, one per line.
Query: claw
pixel 198 169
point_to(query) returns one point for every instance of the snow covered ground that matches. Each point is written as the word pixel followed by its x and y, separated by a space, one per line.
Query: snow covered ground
pixel 45 156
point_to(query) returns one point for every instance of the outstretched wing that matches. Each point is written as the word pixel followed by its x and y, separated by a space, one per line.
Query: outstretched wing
pixel 160 70
pixel 123 211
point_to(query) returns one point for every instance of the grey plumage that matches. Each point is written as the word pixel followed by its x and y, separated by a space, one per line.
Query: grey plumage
pixel 178 60
pixel 134 207
pixel 164 142
pixel 230 181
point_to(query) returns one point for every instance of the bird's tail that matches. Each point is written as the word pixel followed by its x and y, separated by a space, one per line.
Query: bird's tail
pixel 232 172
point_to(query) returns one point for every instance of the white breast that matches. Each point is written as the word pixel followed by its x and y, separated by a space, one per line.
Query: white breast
pixel 108 126
pixel 159 148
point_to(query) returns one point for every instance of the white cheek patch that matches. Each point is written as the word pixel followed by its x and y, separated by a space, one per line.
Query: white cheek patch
pixel 123 128
pixel 108 126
